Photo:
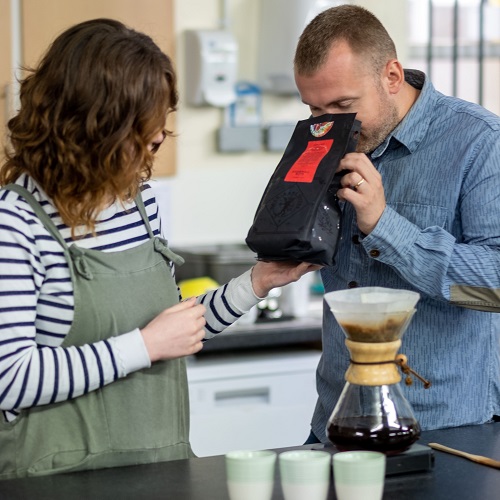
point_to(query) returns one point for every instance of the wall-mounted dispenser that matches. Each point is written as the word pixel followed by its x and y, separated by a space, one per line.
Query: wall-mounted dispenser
pixel 211 67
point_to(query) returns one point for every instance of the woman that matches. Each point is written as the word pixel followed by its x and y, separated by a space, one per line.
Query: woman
pixel 92 334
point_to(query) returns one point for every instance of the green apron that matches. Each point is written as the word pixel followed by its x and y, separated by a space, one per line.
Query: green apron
pixel 138 419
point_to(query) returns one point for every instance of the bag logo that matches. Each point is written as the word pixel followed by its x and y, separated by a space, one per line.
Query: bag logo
pixel 320 129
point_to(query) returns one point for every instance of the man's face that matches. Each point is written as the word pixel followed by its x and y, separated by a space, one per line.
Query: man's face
pixel 346 84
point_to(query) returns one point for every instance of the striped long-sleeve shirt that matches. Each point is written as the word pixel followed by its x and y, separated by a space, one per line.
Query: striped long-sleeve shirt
pixel 37 304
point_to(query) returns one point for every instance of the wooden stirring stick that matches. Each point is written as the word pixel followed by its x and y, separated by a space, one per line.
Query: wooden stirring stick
pixel 475 458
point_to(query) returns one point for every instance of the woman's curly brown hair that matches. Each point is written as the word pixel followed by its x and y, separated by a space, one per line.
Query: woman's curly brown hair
pixel 88 116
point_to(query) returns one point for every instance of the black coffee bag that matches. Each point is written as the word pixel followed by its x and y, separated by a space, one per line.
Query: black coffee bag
pixel 298 217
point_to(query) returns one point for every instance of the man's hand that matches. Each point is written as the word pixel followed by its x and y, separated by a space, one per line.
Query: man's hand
pixel 362 187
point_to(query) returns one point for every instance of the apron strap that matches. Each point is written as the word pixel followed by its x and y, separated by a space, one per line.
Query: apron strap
pixel 47 221
pixel 39 211
pixel 160 244
pixel 142 210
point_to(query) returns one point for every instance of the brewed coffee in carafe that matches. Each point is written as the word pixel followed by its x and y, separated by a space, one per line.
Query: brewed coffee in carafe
pixel 372 413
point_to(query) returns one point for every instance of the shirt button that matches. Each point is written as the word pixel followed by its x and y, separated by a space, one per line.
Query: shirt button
pixel 374 253
pixel 352 284
pixel 355 239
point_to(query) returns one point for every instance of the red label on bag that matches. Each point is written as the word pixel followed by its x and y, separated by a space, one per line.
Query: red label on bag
pixel 305 167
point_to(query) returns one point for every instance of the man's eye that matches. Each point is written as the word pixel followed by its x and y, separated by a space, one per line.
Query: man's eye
pixel 345 104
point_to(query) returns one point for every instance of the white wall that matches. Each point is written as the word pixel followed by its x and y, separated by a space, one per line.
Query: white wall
pixel 213 196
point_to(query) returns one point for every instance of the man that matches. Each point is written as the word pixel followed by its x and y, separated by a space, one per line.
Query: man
pixel 421 211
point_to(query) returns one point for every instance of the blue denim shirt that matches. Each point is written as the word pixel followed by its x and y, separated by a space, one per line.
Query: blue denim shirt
pixel 440 236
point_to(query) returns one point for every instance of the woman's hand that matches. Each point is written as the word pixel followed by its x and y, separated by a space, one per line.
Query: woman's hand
pixel 269 275
pixel 176 331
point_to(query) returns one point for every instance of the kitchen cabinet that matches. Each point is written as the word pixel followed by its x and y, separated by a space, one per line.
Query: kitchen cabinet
pixel 42 21
pixel 251 400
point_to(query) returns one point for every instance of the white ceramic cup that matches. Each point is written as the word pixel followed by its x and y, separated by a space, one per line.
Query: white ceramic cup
pixel 359 475
pixel 305 474
pixel 250 474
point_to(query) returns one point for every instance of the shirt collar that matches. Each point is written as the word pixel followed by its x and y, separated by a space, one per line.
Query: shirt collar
pixel 413 127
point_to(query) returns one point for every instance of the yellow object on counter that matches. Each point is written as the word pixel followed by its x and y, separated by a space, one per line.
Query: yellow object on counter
pixel 197 286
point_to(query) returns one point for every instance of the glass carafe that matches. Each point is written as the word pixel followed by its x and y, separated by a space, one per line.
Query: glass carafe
pixel 372 413
pixel 376 418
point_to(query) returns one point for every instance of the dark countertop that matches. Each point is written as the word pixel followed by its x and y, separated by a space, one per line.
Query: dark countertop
pixel 452 477
pixel 269 333
pixel 266 334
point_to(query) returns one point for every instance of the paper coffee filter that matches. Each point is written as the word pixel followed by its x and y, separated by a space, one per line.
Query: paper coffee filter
pixel 375 300
pixel 373 314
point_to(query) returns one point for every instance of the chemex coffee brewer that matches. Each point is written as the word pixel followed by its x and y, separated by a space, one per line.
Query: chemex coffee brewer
pixel 372 413
pixel 298 217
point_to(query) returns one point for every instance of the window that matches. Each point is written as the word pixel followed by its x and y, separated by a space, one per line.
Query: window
pixel 457 44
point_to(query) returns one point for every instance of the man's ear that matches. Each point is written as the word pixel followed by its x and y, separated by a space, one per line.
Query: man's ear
pixel 394 76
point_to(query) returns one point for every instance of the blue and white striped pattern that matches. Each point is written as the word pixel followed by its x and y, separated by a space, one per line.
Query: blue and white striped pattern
pixel 441 229
pixel 36 304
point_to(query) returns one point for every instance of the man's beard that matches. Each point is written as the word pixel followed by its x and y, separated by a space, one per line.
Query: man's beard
pixel 368 142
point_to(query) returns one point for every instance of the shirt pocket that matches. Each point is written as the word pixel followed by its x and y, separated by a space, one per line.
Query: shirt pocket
pixel 423 216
